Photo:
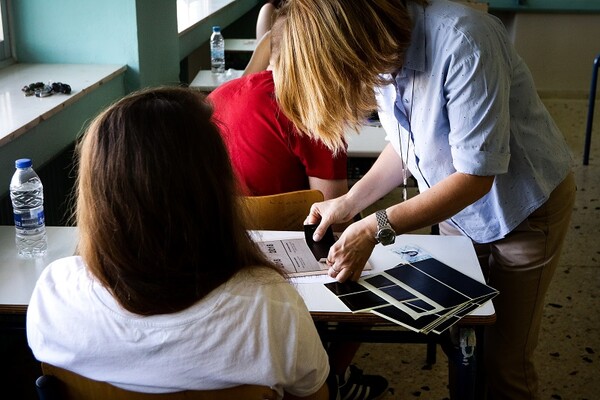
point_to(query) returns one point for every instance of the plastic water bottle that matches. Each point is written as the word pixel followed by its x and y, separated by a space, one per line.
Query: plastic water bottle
pixel 27 196
pixel 217 51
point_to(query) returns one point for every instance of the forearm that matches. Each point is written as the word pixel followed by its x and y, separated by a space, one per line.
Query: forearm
pixel 331 188
pixel 349 254
pixel 384 175
pixel 438 203
pixel 259 61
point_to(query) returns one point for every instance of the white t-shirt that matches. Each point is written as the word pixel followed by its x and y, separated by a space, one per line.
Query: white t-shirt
pixel 254 329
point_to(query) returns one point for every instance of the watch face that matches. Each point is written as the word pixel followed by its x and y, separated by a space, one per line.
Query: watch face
pixel 386 236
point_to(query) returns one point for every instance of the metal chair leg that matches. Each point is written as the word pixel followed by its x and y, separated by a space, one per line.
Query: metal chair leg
pixel 590 119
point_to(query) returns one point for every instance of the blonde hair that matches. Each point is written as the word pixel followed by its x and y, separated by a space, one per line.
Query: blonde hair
pixel 332 53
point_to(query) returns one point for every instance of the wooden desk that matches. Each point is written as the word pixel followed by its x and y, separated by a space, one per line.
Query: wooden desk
pixel 18 277
pixel 368 142
pixel 207 81
pixel 455 251
pixel 241 45
pixel 335 322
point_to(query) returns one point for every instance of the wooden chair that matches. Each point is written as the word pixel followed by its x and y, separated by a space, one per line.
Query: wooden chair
pixel 60 384
pixel 478 5
pixel 280 212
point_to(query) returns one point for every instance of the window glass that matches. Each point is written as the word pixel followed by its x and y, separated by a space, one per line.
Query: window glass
pixel 2 22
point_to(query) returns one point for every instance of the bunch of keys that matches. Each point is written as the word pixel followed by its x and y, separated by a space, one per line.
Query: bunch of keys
pixel 42 90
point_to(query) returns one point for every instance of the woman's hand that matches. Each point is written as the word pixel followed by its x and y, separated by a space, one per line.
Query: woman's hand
pixel 327 213
pixel 348 256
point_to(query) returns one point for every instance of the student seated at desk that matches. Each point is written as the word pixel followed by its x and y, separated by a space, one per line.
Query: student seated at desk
pixel 268 153
pixel 141 306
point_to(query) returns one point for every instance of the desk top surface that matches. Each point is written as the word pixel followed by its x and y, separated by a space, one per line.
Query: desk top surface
pixel 245 45
pixel 18 275
pixel 369 141
pixel 206 81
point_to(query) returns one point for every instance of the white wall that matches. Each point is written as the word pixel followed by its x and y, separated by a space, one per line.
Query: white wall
pixel 559 49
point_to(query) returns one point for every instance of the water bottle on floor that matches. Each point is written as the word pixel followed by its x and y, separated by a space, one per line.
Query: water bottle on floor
pixel 217 51
pixel 27 196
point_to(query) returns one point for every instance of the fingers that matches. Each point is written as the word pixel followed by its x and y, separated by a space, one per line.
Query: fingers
pixel 320 230
pixel 343 275
pixel 314 218
pixel 344 261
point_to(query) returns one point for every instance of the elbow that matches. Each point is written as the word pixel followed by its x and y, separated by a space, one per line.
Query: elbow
pixel 484 185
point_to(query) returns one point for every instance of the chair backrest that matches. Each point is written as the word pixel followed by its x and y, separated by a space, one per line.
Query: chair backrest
pixel 281 212
pixel 477 4
pixel 61 384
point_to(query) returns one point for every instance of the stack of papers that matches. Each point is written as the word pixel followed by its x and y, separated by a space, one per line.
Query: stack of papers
pixel 302 256
pixel 297 257
pixel 423 294
pixel 294 256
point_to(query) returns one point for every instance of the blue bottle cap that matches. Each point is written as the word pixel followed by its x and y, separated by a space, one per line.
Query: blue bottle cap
pixel 216 28
pixel 23 163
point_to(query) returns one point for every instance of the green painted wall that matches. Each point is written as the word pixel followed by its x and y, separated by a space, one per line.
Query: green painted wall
pixel 139 33
pixel 158 42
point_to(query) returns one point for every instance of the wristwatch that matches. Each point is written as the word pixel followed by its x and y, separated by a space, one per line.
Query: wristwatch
pixel 385 233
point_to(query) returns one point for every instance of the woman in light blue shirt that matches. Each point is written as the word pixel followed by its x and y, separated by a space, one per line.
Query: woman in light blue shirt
pixel 463 117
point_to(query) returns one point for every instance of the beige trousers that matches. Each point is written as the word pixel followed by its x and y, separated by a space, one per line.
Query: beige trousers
pixel 521 267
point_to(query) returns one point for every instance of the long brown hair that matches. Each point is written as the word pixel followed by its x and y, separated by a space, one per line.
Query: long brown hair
pixel 331 55
pixel 157 199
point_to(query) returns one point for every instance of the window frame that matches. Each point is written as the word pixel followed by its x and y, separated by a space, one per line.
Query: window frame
pixel 6 57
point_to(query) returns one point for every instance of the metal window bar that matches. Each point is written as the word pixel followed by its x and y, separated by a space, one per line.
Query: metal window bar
pixel 590 118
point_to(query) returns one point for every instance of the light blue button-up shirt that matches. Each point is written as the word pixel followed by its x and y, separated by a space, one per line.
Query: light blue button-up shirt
pixel 465 101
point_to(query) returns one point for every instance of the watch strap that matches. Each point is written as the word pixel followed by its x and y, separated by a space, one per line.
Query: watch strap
pixel 382 219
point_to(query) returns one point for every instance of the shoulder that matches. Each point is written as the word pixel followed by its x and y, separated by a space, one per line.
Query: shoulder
pixel 64 270
pixel 63 281
pixel 256 84
pixel 225 89
pixel 61 295
pixel 258 276
pixel 450 21
pixel 263 282
pixel 454 37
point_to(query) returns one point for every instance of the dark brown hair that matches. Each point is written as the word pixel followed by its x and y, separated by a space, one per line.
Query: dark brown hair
pixel 157 199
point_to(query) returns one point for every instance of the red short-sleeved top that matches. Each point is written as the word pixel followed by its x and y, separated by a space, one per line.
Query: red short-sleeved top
pixel 268 154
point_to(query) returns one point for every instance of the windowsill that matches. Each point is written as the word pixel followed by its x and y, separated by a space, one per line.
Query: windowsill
pixel 196 17
pixel 20 113
pixel 191 12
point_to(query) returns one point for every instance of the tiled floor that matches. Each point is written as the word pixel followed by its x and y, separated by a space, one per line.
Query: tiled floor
pixel 568 355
